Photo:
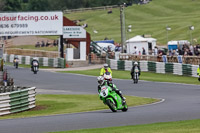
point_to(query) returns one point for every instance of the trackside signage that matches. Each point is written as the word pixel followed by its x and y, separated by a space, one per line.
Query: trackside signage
pixel 31 23
pixel 74 32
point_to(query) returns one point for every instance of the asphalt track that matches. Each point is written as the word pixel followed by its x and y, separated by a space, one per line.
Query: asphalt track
pixel 182 102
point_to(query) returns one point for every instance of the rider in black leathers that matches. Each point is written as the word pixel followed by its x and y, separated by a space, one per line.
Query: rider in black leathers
pixel 133 69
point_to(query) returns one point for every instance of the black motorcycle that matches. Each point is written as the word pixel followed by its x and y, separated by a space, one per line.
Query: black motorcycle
pixel 135 76
pixel 35 67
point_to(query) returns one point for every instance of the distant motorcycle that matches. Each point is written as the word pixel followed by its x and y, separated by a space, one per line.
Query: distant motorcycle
pixel 136 76
pixel 35 67
pixel 16 63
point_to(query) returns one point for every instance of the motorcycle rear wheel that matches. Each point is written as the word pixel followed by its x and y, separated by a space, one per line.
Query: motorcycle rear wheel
pixel 16 65
pixel 111 105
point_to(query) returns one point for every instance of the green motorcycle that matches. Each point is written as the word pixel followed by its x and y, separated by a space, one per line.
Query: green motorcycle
pixel 112 99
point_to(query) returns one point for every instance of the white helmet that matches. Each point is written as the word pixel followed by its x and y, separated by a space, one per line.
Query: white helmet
pixel 34 58
pixel 135 63
pixel 105 66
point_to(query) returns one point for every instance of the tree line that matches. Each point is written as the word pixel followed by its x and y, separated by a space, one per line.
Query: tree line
pixel 51 5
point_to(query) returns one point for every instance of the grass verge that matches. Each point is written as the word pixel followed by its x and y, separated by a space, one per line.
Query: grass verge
pixel 62 104
pixel 190 126
pixel 148 76
pixel 24 66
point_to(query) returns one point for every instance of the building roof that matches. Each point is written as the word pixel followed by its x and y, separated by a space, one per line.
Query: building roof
pixel 139 38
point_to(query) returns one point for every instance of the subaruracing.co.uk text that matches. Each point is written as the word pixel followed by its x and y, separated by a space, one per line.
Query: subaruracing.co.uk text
pixel 28 18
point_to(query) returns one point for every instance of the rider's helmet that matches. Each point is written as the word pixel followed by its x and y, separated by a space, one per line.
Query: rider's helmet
pixel 34 58
pixel 105 66
pixel 135 63
pixel 100 80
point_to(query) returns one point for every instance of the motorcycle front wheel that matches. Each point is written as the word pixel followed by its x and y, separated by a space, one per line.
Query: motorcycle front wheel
pixel 125 108
pixel 111 105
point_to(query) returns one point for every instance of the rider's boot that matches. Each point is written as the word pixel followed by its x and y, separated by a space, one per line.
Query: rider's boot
pixel 123 98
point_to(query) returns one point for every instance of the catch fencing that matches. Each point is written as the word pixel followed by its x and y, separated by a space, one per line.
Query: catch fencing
pixel 43 61
pixel 157 67
pixel 16 99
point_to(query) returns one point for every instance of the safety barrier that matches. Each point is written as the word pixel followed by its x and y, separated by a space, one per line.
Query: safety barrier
pixel 157 67
pixel 17 100
pixel 43 61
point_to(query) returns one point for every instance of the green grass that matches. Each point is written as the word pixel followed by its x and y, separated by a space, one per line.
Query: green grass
pixel 62 104
pixel 148 76
pixel 150 19
pixel 191 126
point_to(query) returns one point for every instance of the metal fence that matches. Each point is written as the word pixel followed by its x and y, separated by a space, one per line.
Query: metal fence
pixel 195 60
pixel 90 9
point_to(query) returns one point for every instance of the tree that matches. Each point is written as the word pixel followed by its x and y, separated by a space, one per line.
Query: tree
pixel 38 5
pixel 12 5
pixel 2 4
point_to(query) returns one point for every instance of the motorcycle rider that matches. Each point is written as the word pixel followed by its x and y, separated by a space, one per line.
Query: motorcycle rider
pixel 135 66
pixel 15 58
pixel 34 60
pixel 102 82
pixel 198 72
pixel 105 69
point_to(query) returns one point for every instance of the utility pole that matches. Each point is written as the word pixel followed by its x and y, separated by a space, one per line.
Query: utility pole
pixel 61 47
pixel 123 30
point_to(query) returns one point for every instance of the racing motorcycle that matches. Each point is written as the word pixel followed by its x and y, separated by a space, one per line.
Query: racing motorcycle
pixel 35 67
pixel 112 99
pixel 136 76
pixel 16 63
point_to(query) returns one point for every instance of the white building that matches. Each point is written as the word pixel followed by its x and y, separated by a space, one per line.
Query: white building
pixel 140 42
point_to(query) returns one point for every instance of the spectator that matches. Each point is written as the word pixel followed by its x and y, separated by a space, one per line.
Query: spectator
pixel 47 43
pixel 54 43
pixel 139 53
pixel 191 49
pixel 190 53
pixel 42 43
pixel 109 11
pixel 143 51
pixel 155 51
pixel 135 51
pixel 37 44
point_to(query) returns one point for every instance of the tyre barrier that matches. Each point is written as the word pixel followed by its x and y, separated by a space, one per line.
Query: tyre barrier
pixel 16 99
pixel 157 67
pixel 43 61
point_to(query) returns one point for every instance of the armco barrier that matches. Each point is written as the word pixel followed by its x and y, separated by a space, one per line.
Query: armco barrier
pixel 43 61
pixel 16 101
pixel 158 67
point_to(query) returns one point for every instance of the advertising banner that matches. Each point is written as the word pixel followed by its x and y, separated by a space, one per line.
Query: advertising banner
pixel 74 32
pixel 31 23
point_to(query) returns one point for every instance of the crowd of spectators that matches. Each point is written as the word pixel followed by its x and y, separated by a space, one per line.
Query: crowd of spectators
pixel 47 44
pixel 186 50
